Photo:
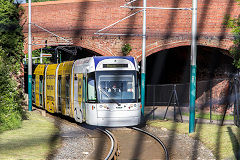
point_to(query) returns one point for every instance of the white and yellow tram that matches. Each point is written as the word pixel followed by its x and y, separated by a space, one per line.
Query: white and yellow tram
pixel 101 91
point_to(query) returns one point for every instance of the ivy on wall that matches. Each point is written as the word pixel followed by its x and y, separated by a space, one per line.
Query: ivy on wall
pixel 126 49
pixel 234 24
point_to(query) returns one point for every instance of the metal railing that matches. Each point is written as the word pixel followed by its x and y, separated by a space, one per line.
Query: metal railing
pixel 207 95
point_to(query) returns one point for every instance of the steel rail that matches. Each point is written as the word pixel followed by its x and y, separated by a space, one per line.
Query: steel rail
pixel 156 138
pixel 114 148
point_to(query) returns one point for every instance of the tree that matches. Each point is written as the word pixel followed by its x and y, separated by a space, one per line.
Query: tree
pixel 11 36
pixel 11 46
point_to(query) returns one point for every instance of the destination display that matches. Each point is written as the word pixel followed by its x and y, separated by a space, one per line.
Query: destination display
pixel 115 65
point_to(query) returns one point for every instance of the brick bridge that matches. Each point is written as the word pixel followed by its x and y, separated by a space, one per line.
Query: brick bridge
pixel 78 20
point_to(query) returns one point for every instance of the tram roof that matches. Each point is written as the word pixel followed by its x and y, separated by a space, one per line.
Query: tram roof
pixel 97 59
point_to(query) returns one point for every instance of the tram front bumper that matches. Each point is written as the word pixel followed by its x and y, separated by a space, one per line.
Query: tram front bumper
pixel 118 122
pixel 118 118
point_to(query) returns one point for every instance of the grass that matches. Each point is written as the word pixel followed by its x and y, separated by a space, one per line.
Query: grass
pixel 214 116
pixel 223 141
pixel 36 139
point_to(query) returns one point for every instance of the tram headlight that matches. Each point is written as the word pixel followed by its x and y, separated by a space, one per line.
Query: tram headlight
pixel 100 106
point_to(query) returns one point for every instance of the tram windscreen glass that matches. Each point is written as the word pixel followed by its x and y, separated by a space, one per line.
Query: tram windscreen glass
pixel 115 65
pixel 116 86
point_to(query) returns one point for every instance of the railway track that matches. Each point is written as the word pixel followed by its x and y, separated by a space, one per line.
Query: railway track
pixel 157 139
pixel 107 142
pixel 133 142
pixel 113 152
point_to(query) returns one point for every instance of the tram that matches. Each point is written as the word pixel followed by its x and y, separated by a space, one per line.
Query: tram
pixel 101 91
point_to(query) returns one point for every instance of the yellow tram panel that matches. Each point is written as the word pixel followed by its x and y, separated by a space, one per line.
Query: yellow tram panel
pixel 60 90
pixel 64 83
pixel 40 69
pixel 38 85
pixel 80 88
pixel 50 85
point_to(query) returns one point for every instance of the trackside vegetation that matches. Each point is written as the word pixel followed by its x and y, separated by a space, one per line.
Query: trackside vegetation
pixel 11 46
pixel 30 142
pixel 223 141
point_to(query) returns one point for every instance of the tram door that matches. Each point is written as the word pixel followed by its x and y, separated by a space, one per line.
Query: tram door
pixel 59 93
pixel 41 90
pixel 67 94
pixel 84 97
pixel 81 101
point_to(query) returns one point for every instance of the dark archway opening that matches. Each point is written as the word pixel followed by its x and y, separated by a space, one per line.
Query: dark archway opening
pixel 68 53
pixel 173 65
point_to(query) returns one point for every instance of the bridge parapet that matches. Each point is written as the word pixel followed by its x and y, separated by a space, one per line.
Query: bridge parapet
pixel 78 20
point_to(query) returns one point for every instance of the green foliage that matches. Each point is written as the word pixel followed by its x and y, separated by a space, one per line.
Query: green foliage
pixel 46 60
pixel 11 36
pixel 30 142
pixel 218 117
pixel 126 49
pixel 234 24
pixel 11 46
pixel 11 112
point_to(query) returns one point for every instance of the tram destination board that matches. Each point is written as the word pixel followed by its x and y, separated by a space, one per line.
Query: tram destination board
pixel 115 65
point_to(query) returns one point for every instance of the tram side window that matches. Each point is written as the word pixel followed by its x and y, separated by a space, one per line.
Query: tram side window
pixel 139 87
pixel 91 91
pixel 41 89
pixel 59 92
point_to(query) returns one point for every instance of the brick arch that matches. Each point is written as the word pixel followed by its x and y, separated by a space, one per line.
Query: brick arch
pixel 94 46
pixel 157 46
pixel 25 51
pixel 102 50
pixel 76 20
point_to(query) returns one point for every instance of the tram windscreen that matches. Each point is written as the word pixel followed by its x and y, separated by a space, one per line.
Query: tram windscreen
pixel 116 86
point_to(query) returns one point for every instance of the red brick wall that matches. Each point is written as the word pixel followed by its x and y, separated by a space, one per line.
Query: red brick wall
pixel 77 20
pixel 220 93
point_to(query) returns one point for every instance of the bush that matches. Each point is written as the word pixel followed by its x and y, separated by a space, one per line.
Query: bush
pixel 11 112
pixel 11 46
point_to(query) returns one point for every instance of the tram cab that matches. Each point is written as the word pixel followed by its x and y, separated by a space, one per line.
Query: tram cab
pixel 106 91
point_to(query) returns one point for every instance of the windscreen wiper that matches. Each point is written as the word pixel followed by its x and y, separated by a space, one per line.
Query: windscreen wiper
pixel 101 90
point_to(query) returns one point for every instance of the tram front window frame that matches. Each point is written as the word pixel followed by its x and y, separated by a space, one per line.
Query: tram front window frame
pixel 125 81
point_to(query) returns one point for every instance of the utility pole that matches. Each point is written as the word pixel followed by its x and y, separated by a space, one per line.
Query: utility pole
pixel 29 58
pixel 193 69
pixel 41 61
pixel 143 65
